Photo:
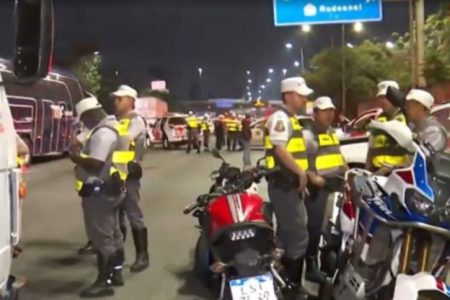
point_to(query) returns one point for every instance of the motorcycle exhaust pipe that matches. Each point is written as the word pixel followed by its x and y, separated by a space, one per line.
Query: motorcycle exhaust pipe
pixel 277 276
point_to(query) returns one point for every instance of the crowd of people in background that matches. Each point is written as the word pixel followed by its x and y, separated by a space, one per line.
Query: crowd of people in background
pixel 231 132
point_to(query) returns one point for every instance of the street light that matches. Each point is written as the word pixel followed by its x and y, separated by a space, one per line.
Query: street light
pixel 259 92
pixel 96 52
pixel 248 72
pixel 390 45
pixel 306 28
pixel 289 46
pixel 296 63
pixel 263 86
pixel 268 80
pixel 358 27
pixel 249 81
pixel 270 71
pixel 248 88
pixel 200 72
pixel 284 72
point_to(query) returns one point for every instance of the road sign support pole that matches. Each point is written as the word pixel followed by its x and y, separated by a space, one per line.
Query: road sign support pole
pixel 344 71
pixel 417 23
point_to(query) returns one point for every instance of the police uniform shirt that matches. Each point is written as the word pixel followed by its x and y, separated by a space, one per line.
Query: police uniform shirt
pixel 137 127
pixel 103 141
pixel 280 128
pixel 430 131
pixel 312 146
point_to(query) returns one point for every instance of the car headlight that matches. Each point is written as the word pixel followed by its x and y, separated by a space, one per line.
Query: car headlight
pixel 418 203
pixel 239 235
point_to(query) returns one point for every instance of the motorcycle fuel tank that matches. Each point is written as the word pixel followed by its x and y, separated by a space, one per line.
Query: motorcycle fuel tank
pixel 232 209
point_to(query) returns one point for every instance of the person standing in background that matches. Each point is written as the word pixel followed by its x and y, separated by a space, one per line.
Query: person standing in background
pixel 219 131
pixel 193 127
pixel 206 131
pixel 246 140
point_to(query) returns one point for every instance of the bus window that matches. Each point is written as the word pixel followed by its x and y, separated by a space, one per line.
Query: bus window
pixel 21 113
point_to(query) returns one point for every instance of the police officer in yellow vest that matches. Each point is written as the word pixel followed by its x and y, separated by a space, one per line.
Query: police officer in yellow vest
pixel 206 132
pixel 193 129
pixel 135 126
pixel 326 172
pixel 285 149
pixel 232 132
pixel 384 153
pixel 100 172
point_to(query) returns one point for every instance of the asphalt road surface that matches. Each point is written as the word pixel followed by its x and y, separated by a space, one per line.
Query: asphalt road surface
pixel 53 230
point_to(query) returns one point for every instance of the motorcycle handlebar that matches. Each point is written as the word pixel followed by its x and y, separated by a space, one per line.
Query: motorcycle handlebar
pixel 190 208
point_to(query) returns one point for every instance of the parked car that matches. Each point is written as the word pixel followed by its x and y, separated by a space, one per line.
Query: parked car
pixel 169 131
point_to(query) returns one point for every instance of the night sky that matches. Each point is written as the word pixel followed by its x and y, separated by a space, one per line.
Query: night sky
pixel 170 39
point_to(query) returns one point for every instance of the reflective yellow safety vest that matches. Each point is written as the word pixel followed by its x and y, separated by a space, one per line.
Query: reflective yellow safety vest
pixel 117 162
pixel 205 126
pixel 296 147
pixel 384 150
pixel 138 144
pixel 329 159
pixel 232 125
pixel 192 122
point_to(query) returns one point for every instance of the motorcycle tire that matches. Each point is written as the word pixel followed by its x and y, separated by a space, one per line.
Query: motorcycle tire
pixel 202 261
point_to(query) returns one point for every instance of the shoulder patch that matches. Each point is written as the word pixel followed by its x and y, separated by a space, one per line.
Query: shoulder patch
pixel 279 126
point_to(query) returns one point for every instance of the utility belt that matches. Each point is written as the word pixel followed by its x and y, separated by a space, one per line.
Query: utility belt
pixel 113 187
pixel 284 180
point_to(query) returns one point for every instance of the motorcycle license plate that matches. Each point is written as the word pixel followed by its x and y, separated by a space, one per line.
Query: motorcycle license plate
pixel 253 288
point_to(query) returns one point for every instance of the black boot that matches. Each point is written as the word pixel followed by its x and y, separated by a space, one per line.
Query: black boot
pixel 116 276
pixel 141 243
pixel 102 286
pixel 87 249
pixel 293 269
pixel 313 273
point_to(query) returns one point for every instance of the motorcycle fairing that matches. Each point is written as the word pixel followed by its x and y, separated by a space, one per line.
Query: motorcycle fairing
pixel 409 287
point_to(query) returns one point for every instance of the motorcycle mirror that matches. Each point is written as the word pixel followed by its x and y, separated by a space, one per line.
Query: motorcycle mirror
pixel 216 154
pixel 34 32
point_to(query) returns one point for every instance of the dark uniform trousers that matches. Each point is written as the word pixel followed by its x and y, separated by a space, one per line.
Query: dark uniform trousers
pixel 206 134
pixel 193 139
pixel 101 218
pixel 290 212
pixel 130 206
pixel 316 205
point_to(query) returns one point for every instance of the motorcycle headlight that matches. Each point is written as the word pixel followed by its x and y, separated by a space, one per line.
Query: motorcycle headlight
pixel 239 235
pixel 418 203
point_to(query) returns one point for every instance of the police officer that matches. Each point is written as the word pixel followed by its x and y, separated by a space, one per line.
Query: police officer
pixel 232 132
pixel 384 153
pixel 135 126
pixel 101 170
pixel 206 131
pixel 285 149
pixel 193 128
pixel 427 129
pixel 326 171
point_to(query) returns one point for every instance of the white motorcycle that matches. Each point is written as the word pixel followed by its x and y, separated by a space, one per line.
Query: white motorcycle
pixel 395 229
